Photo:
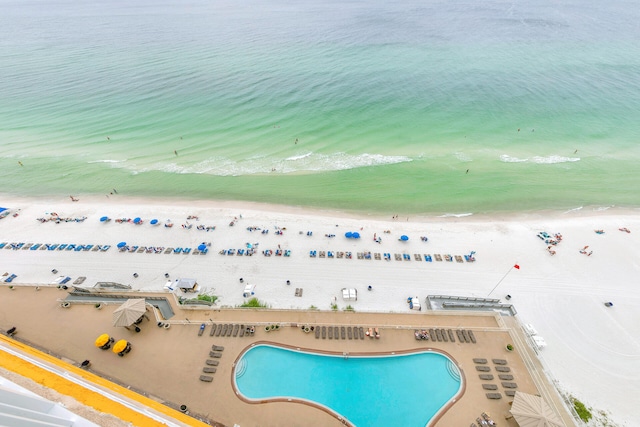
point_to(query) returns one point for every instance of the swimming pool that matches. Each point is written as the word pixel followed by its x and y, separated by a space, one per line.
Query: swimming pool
pixel 366 390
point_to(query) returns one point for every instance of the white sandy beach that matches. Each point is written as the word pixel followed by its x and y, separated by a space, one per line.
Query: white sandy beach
pixel 593 352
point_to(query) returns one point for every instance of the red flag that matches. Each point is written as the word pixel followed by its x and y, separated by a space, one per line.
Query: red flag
pixel 516 266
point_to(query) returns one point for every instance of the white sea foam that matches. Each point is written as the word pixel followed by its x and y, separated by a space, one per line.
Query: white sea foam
pixel 603 208
pixel 573 210
pixel 462 157
pixel 548 160
pixel 307 162
pixel 508 159
pixel 452 215
pixel 107 161
pixel 341 161
pixel 299 157
pixel 554 159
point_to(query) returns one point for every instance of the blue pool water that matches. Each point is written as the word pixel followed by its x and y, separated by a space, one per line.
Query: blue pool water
pixel 368 391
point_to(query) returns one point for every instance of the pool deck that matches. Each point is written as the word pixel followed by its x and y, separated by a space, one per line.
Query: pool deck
pixel 165 364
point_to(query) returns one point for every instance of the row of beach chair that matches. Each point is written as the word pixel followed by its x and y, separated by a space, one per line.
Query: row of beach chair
pixel 440 335
pixel 228 330
pixel 344 332
pixel 54 246
pixel 161 250
pixel 445 335
pixel 277 252
pixel 503 374
pixel 211 364
pixel 387 256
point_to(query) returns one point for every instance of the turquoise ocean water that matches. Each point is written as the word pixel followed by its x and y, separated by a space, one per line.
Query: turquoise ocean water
pixel 390 102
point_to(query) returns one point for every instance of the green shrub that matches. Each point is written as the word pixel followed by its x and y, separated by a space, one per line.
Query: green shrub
pixel 583 412
pixel 349 308
pixel 334 307
pixel 208 298
pixel 254 303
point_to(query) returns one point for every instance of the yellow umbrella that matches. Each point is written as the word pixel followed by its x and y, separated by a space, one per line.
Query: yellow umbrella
pixel 102 340
pixel 120 346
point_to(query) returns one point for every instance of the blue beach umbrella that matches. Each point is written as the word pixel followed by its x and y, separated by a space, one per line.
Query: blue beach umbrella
pixel 104 218
pixel 137 220
pixel 404 238
pixel 348 235
pixel 202 247
pixel 356 235
pixel 153 222
pixel 122 244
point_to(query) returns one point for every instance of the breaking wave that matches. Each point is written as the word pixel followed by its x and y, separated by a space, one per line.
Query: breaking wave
pixel 548 160
pixel 107 161
pixel 308 162
pixel 452 215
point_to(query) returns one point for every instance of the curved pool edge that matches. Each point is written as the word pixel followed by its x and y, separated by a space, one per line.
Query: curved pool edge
pixel 432 422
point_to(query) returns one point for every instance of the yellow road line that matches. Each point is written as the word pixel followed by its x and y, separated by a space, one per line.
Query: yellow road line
pixel 82 394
